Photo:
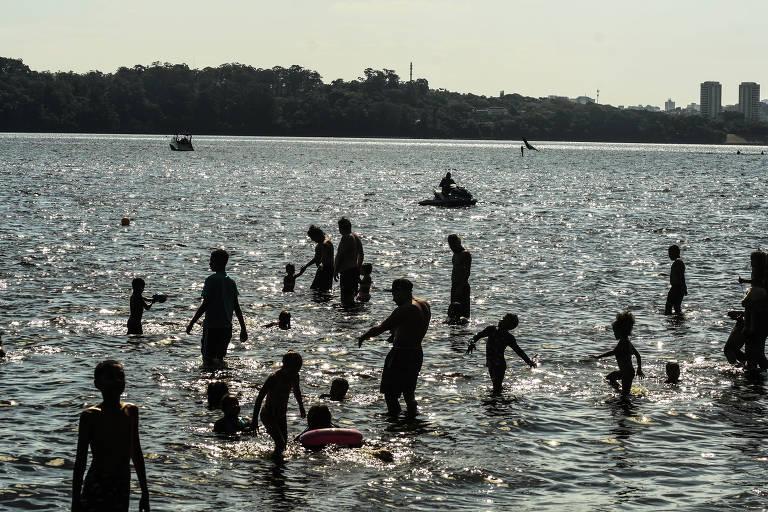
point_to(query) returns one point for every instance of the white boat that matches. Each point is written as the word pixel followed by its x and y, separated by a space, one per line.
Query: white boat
pixel 181 143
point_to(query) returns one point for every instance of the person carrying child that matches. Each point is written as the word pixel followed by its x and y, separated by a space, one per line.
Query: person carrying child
pixel 111 431
pixel 499 338
pixel 622 328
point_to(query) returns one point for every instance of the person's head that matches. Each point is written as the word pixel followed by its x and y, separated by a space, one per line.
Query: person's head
pixel 284 320
pixel 448 174
pixel 622 326
pixel 109 378
pixel 367 269
pixel 509 321
pixel 758 262
pixel 454 242
pixel 673 372
pixel 138 285
pixel 230 406
pixel 339 388
pixel 290 269
pixel 219 259
pixel 319 416
pixel 292 361
pixel 673 251
pixel 345 227
pixel 402 291
pixel 315 234
pixel 215 392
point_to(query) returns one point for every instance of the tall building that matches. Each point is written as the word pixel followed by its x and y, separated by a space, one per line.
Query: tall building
pixel 669 105
pixel 749 100
pixel 711 99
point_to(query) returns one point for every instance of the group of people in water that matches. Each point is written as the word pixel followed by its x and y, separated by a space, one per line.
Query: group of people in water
pixel 111 428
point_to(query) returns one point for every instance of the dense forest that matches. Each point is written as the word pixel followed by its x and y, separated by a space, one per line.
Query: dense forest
pixel 240 99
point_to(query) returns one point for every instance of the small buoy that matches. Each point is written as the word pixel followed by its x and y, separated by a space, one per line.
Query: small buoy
pixel 125 221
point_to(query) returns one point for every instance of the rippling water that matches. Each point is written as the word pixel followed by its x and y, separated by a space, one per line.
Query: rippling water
pixel 565 238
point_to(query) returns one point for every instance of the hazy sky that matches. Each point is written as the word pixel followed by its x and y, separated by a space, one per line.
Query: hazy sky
pixel 634 52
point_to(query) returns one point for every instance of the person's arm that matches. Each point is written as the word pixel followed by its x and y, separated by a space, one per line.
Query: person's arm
pixel 315 259
pixel 241 320
pixel 387 325
pixel 639 363
pixel 137 457
pixel 147 303
pixel 197 316
pixel 512 343
pixel 607 354
pixel 482 334
pixel 81 459
pixel 297 394
pixel 341 251
pixel 259 399
pixel 271 324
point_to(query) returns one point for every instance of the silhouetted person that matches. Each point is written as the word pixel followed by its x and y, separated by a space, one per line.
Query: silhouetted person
pixel 323 259
pixel 215 392
pixel 454 314
pixel 678 288
pixel 364 292
pixel 138 305
pixel 2 352
pixel 446 184
pixel 499 338
pixel 522 150
pixel 219 302
pixel 283 321
pixel 622 328
pixel 462 265
pixel 736 340
pixel 339 388
pixel 408 323
pixel 111 431
pixel 274 394
pixel 673 372
pixel 289 281
pixel 232 422
pixel 348 262
pixel 756 312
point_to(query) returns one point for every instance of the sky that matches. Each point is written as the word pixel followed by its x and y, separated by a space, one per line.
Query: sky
pixel 633 52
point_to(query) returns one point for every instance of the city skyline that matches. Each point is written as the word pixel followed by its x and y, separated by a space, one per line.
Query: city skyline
pixel 535 49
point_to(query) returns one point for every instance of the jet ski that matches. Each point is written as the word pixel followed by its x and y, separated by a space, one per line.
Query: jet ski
pixel 457 196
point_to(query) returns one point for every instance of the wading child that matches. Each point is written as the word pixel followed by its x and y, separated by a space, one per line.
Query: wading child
pixel 678 289
pixel 622 328
pixel 219 302
pixel 283 321
pixel 232 422
pixel 138 305
pixel 289 281
pixel 274 393
pixel 111 430
pixel 499 338
pixel 339 388
pixel 364 293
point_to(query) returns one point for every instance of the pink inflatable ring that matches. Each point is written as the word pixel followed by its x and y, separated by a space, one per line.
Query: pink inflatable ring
pixel 321 437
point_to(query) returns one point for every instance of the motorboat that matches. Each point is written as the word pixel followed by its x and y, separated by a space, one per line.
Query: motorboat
pixel 181 143
pixel 457 196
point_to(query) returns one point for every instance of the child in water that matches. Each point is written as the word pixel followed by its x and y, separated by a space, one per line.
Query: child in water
pixel 111 430
pixel 289 281
pixel 138 305
pixel 678 288
pixel 622 328
pixel 339 388
pixel 673 372
pixel 364 294
pixel 499 338
pixel 232 422
pixel 283 321
pixel 216 392
pixel 274 393
pixel 319 416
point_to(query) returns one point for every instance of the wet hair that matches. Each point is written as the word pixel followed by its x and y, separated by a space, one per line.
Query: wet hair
pixel 344 225
pixel 454 238
pixel 673 372
pixel 219 258
pixel 315 232
pixel 290 268
pixel 319 416
pixel 216 391
pixel 138 283
pixel 513 320
pixel 624 323
pixel 402 284
pixel 674 250
pixel 340 386
pixel 367 268
pixel 292 360
pixel 110 366
pixel 229 400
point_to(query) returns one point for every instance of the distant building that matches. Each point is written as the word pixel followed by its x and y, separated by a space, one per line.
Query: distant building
pixel 711 99
pixel 501 93
pixel 491 111
pixel 555 97
pixel 583 100
pixel 749 100
pixel 669 105
pixel 647 108
pixel 731 108
pixel 693 108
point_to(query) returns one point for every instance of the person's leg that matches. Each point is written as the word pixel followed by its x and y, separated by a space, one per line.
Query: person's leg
pixel 668 305
pixel 613 378
pixel 393 403
pixel 496 373
pixel 626 382
pixel 463 299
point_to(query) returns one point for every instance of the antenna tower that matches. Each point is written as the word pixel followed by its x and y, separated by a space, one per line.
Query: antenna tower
pixel 598 97
pixel 411 71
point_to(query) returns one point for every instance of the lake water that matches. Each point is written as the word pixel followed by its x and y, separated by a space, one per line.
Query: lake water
pixel 565 238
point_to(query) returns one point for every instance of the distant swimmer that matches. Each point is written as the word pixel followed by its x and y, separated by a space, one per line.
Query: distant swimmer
pixel 408 323
pixel 528 146
pixel 678 289
pixel 499 338
pixel 461 268
pixel 283 321
pixel 339 388
pixel 323 259
pixel 624 350
pixel 672 368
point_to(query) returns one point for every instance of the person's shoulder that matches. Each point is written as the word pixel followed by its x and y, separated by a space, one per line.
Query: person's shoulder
pixel 91 412
pixel 130 409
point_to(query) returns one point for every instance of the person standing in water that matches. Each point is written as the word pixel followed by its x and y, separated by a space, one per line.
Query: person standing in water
pixel 348 262
pixel 462 265
pixel 678 288
pixel 624 350
pixel 323 259
pixel 408 323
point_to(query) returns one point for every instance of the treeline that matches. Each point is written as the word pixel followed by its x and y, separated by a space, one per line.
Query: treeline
pixel 242 100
